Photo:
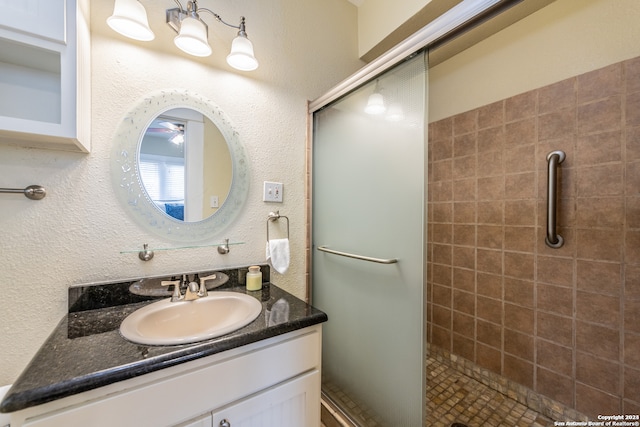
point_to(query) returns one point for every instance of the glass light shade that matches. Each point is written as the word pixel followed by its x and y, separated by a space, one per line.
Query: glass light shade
pixel 192 38
pixel 375 105
pixel 395 113
pixel 241 56
pixel 129 18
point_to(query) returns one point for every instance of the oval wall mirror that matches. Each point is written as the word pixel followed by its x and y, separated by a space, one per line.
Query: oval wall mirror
pixel 178 166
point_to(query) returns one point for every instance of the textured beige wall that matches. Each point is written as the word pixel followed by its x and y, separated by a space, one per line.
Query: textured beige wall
pixel 379 18
pixel 76 233
pixel 564 39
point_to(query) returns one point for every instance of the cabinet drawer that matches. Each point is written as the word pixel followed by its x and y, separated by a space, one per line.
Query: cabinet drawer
pixel 194 388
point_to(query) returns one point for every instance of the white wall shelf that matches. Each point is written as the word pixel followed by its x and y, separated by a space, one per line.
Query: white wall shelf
pixel 44 75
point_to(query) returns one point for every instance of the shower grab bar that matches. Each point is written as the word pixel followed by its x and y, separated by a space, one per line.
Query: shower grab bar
pixel 360 257
pixel 553 239
pixel 33 192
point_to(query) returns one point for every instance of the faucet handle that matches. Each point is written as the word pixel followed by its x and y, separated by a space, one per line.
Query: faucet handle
pixel 203 288
pixel 176 296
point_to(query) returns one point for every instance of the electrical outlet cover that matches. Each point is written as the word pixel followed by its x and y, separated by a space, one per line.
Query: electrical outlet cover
pixel 272 192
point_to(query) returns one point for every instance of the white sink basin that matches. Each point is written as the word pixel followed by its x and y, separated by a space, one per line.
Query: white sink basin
pixel 182 322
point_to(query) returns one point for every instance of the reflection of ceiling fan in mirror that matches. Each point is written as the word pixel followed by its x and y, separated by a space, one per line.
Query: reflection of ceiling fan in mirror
pixel 173 131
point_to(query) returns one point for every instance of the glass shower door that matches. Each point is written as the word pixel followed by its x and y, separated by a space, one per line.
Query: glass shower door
pixel 369 200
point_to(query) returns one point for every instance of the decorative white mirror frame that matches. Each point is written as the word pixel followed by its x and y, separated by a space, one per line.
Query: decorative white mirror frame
pixel 125 172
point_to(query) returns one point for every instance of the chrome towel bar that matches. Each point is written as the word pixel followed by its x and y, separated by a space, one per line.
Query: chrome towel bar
pixel 553 239
pixel 33 192
pixel 360 257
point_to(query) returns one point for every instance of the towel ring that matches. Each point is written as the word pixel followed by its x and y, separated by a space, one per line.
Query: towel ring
pixel 274 216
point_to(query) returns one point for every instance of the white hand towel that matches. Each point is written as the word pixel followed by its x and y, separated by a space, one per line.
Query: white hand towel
pixel 278 253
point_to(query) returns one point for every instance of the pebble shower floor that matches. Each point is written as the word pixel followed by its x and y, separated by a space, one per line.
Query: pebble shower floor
pixel 452 397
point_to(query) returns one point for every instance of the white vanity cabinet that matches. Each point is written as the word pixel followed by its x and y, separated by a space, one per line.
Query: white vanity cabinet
pixel 292 404
pixel 274 382
pixel 45 74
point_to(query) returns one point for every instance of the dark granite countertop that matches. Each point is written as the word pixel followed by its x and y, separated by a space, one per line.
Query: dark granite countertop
pixel 86 350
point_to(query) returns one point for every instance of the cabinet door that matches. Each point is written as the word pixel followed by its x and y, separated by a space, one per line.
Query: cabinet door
pixel 201 421
pixel 41 18
pixel 45 68
pixel 294 403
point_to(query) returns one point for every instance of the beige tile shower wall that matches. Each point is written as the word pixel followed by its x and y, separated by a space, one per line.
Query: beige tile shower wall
pixel 563 322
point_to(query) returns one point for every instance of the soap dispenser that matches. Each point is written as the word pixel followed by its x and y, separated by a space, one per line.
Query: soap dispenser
pixel 254 278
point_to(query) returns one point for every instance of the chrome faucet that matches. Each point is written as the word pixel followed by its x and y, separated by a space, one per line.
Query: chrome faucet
pixel 193 289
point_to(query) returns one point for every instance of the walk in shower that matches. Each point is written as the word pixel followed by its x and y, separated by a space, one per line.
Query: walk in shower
pixel 551 325
pixel 368 231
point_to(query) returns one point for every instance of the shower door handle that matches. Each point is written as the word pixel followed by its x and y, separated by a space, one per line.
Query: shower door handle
pixel 360 257
pixel 553 239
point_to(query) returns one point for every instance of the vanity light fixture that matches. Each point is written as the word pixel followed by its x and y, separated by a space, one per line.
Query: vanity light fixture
pixel 376 104
pixel 130 19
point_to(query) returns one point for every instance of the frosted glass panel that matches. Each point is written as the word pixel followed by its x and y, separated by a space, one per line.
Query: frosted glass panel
pixel 369 199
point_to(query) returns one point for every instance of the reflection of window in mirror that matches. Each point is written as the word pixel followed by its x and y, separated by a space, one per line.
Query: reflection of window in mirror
pixel 164 180
pixel 162 164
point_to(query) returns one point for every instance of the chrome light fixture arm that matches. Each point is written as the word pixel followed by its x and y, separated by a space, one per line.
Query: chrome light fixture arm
pixel 219 19
pixel 193 11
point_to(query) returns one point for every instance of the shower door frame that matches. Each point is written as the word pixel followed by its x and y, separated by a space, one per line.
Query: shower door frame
pixel 454 20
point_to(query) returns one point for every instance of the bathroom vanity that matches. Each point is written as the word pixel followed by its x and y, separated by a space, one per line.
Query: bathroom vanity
pixel 266 373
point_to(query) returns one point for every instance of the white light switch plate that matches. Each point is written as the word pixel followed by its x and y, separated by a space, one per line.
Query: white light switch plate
pixel 272 192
